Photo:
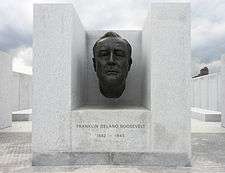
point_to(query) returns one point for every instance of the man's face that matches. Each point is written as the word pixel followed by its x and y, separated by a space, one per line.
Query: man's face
pixel 112 61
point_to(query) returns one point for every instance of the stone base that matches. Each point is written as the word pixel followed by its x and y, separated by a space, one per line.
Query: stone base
pixel 110 129
pixel 111 158
pixel 22 115
pixel 205 115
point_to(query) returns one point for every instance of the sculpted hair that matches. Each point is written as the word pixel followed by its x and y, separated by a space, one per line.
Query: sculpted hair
pixel 114 35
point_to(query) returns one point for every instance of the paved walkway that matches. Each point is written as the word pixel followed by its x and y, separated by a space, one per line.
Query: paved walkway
pixel 208 153
pixel 18 127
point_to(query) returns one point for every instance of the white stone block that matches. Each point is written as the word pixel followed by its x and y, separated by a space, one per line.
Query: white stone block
pixel 15 91
pixel 22 115
pixel 206 92
pixel 204 89
pixel 59 52
pixel 125 129
pixel 22 91
pixel 205 115
pixel 192 93
pixel 5 90
pixel 146 55
pixel 170 77
pixel 196 92
pixel 219 103
pixel 213 92
pixel 222 84
pixel 25 91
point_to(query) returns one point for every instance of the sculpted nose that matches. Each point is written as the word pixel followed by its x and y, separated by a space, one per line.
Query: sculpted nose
pixel 111 57
pixel 111 60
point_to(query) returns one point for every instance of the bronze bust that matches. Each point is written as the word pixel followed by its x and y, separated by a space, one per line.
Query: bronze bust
pixel 112 61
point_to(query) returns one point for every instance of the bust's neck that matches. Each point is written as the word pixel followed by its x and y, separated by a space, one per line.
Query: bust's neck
pixel 112 91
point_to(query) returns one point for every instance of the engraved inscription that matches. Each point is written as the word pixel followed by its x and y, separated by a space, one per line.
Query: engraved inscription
pixel 110 130
pixel 120 135
pixel 101 135
pixel 107 126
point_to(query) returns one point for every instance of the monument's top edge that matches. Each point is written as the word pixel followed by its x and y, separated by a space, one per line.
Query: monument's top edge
pixel 95 32
pixel 104 30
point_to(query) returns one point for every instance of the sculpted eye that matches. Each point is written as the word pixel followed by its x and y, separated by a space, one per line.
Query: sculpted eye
pixel 103 53
pixel 119 53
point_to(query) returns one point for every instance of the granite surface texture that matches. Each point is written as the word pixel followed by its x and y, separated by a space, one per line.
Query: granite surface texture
pixel 55 92
pixel 206 92
pixel 170 77
pixel 22 91
pixel 5 90
pixel 223 90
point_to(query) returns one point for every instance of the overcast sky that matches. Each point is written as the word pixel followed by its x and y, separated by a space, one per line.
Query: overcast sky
pixel 208 25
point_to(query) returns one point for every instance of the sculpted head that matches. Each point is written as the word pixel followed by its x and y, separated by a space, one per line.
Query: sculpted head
pixel 112 61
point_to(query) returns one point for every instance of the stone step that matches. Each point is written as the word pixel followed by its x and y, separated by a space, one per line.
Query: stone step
pixel 22 115
pixel 205 115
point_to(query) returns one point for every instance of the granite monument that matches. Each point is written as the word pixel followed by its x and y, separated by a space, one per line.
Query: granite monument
pixel 149 123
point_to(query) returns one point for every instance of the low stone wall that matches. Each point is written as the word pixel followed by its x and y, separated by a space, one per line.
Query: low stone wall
pixel 21 91
pixel 206 92
pixel 205 115
pixel 5 90
pixel 223 90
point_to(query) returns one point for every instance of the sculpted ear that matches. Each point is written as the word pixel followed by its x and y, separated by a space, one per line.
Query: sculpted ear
pixel 130 62
pixel 94 63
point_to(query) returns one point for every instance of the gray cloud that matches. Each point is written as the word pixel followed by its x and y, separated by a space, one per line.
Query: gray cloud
pixel 15 24
pixel 208 22
pixel 208 29
pixel 210 52
pixel 11 38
